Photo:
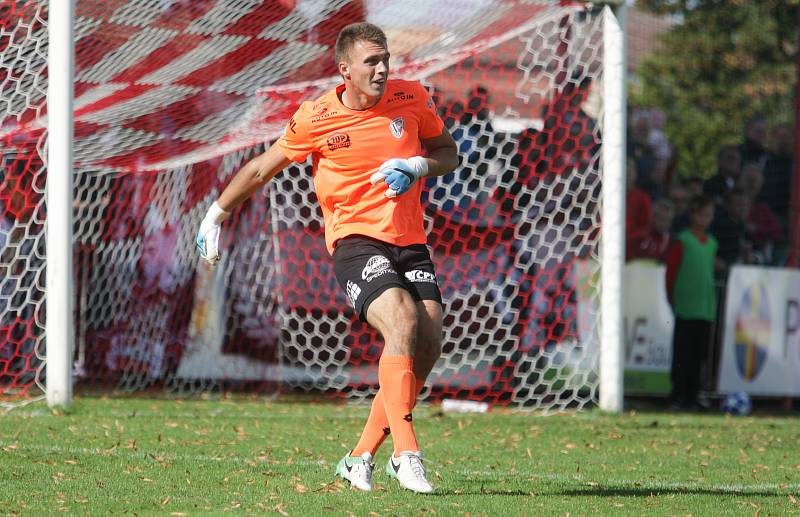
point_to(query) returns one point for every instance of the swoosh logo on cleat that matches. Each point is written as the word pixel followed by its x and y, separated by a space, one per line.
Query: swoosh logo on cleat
pixel 395 467
pixel 347 465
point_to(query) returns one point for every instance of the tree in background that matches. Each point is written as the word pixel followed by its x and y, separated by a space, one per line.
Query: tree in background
pixel 726 61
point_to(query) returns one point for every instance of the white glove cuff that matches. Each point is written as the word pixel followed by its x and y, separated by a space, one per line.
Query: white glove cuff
pixel 216 214
pixel 420 165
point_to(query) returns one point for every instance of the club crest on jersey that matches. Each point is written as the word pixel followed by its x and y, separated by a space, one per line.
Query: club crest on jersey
pixel 397 125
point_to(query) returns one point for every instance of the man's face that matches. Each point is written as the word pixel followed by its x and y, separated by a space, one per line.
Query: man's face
pixel 367 68
pixel 757 131
pixel 752 179
pixel 662 217
pixel 738 206
pixel 702 218
pixel 783 138
pixel 730 162
pixel 680 199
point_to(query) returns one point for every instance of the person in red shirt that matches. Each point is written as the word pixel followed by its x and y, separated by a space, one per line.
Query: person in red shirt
pixel 371 140
pixel 654 244
pixel 639 209
pixel 763 225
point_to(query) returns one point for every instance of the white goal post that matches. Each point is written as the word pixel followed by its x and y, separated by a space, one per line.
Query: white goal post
pixel 59 329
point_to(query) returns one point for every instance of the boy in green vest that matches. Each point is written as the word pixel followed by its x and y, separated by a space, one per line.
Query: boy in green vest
pixel 691 293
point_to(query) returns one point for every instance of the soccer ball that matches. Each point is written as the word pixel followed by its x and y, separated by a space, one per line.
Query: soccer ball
pixel 737 403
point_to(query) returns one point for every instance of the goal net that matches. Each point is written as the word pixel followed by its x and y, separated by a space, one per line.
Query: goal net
pixel 173 96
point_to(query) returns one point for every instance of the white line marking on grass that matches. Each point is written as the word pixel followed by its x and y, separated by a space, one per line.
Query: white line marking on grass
pixel 357 413
pixel 122 452
pixel 501 474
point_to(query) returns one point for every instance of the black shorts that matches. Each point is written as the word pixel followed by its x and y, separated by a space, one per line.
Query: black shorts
pixel 367 267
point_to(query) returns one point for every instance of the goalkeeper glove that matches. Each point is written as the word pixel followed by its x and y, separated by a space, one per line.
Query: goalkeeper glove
pixel 400 174
pixel 208 236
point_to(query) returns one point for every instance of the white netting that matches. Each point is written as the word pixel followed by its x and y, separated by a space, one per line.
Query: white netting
pixel 172 97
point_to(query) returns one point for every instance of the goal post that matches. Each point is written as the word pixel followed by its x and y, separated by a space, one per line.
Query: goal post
pixel 171 98
pixel 59 328
pixel 612 358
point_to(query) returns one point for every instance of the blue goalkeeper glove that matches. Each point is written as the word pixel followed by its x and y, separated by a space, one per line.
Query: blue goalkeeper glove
pixel 208 236
pixel 399 174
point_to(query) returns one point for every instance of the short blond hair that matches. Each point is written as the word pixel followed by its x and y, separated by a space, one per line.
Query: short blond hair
pixel 354 32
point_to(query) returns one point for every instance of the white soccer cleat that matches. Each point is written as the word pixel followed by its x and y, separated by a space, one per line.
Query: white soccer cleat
pixel 357 470
pixel 409 471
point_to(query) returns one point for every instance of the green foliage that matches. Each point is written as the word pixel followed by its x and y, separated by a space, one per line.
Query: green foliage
pixel 727 60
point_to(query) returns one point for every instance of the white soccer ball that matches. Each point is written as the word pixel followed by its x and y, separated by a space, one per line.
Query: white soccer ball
pixel 737 403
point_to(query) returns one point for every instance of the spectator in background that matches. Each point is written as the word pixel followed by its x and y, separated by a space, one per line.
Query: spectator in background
pixel 679 196
pixel 729 164
pixel 730 230
pixel 655 243
pixel 778 173
pixel 662 150
pixel 639 130
pixel 762 224
pixel 754 147
pixel 639 209
pixel 691 294
pixel 694 184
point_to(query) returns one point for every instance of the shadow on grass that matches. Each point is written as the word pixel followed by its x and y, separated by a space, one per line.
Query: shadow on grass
pixel 546 487
pixel 645 491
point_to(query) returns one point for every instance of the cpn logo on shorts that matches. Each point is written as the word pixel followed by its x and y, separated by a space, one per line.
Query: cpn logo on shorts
pixel 377 265
pixel 417 275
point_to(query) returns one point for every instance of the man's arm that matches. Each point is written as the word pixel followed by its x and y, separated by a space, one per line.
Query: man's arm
pixel 400 174
pixel 442 154
pixel 255 174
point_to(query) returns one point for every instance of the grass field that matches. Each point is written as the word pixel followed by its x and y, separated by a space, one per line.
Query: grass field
pixel 199 457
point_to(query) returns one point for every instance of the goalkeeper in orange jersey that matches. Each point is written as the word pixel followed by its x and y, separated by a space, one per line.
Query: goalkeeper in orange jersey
pixel 372 140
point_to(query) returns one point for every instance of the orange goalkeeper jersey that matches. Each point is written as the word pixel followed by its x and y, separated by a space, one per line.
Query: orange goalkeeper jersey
pixel 347 146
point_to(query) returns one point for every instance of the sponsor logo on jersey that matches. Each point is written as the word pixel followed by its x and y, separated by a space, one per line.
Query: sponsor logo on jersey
pixel 290 126
pixel 400 96
pixel 322 115
pixel 353 292
pixel 338 140
pixel 417 275
pixel 376 266
pixel 396 126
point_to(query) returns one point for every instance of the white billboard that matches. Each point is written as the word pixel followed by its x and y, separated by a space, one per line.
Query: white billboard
pixel 761 338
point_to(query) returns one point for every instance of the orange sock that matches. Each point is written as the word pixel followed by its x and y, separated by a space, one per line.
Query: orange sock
pixel 376 430
pixel 396 377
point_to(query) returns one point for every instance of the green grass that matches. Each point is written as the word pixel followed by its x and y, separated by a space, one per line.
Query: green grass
pixel 199 457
